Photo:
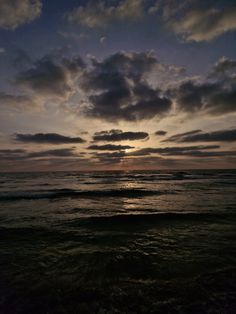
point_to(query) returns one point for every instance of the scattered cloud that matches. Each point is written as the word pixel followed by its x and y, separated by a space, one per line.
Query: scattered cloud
pixel 191 19
pixel 204 24
pixel 72 35
pixel 103 40
pixel 98 13
pixel 119 135
pixel 15 13
pixel 47 138
pixel 160 133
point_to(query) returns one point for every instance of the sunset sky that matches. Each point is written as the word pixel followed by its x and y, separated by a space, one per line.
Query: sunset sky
pixel 117 84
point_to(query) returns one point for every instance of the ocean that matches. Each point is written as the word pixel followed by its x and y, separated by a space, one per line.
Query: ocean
pixel 118 242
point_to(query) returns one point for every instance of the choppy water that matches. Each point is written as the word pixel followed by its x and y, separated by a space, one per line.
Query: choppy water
pixel 118 242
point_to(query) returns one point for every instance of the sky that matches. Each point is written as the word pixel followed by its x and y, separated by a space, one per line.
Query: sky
pixel 117 85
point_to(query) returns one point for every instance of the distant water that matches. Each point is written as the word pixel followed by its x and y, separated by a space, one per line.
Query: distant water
pixel 118 242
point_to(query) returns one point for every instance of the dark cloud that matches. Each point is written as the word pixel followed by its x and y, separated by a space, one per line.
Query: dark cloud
pixel 213 98
pixel 133 65
pixel 3 151
pixel 119 135
pixel 110 147
pixel 199 136
pixel 223 66
pixel 176 137
pixel 46 160
pixel 110 158
pixel 47 138
pixel 63 152
pixel 111 155
pixel 21 154
pixel 160 133
pixel 51 77
pixel 224 101
pixel 119 90
pixel 198 153
pixel 11 151
pixel 12 154
pixel 201 151
pixel 171 151
pixel 191 96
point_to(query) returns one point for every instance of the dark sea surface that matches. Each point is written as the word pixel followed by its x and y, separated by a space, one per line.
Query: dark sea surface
pixel 118 242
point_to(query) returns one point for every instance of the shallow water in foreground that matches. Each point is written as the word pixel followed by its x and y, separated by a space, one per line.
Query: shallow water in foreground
pixel 118 242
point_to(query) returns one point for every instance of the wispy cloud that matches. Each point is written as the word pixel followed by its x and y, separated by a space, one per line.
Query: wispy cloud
pixel 99 14
pixel 204 24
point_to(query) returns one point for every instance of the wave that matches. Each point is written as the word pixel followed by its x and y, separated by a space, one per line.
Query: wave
pixel 64 193
pixel 142 220
pixel 148 177
pixel 155 217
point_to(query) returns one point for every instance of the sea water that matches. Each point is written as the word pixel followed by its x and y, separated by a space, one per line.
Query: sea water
pixel 118 242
